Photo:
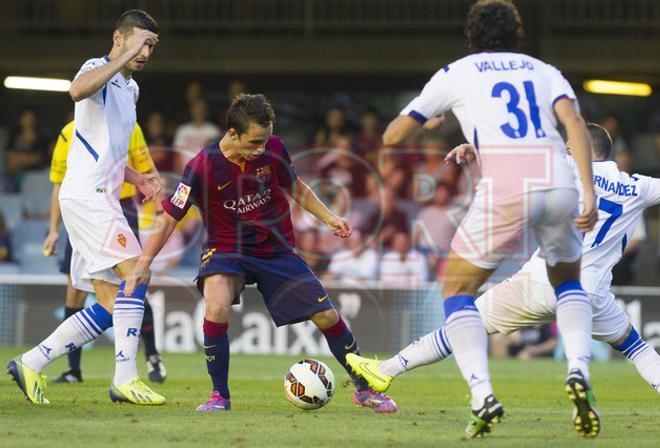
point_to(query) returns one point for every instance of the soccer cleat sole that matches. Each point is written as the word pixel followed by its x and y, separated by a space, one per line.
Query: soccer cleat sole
pixel 12 371
pixel 586 420
pixel 376 410
pixel 486 428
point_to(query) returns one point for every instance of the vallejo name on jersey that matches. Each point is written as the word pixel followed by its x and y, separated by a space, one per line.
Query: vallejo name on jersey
pixel 503 66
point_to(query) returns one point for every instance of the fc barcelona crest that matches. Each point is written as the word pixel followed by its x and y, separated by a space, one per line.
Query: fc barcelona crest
pixel 263 173
pixel 121 239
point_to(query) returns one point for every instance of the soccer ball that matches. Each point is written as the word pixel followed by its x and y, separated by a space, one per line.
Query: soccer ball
pixel 309 384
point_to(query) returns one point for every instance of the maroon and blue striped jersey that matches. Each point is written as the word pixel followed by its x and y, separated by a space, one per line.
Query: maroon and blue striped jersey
pixel 245 211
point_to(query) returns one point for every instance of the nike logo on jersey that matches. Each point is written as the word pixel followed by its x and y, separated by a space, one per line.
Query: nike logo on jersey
pixel 115 83
pixel 222 187
pixel 321 299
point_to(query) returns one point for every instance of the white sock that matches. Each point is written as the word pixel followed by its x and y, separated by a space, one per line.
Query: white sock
pixel 468 339
pixel 84 326
pixel 574 317
pixel 645 359
pixel 127 318
pixel 428 349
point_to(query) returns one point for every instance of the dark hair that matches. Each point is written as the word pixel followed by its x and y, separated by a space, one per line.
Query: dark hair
pixel 494 25
pixel 601 142
pixel 246 109
pixel 136 18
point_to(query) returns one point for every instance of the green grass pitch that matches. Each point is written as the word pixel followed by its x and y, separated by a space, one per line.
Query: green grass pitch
pixel 432 400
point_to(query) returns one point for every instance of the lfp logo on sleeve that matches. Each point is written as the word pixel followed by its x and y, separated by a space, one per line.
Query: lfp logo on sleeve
pixel 180 196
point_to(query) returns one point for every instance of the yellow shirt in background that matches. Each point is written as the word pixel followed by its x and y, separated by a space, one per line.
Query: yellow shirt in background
pixel 139 157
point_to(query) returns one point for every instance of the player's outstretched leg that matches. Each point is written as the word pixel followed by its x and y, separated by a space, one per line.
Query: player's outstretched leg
pixel 127 319
pixel 216 351
pixel 155 366
pixel 341 343
pixel 428 349
pixel 642 355
pixel 574 319
pixel 72 334
pixel 74 373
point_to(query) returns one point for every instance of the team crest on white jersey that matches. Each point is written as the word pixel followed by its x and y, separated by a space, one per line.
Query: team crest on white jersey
pixel 263 174
pixel 121 239
pixel 180 196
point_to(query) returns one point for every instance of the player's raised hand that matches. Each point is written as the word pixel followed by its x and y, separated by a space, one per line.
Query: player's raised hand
pixel 138 275
pixel 587 220
pixel 136 41
pixel 149 186
pixel 49 244
pixel 464 153
pixel 340 227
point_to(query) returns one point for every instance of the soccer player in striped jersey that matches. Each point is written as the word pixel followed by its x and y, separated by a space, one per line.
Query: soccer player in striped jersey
pixel 240 185
pixel 139 158
pixel 528 299
pixel 509 106
pixel 104 247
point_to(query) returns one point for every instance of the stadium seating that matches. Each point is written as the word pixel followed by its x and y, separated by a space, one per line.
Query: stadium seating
pixel 27 247
pixel 35 193
pixel 11 208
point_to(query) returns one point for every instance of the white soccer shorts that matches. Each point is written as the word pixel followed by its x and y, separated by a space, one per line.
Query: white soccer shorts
pixel 101 239
pixel 520 302
pixel 492 232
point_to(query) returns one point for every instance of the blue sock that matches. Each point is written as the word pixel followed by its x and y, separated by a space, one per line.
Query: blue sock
pixel 74 356
pixel 341 342
pixel 216 351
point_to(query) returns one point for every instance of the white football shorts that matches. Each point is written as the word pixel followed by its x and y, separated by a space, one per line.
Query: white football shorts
pixel 101 239
pixel 520 302
pixel 491 232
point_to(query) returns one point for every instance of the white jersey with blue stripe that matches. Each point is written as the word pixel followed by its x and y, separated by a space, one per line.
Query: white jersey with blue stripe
pixel 103 124
pixel 622 198
pixel 502 100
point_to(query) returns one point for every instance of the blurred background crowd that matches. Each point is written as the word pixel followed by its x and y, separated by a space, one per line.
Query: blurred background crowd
pixel 336 72
pixel 404 203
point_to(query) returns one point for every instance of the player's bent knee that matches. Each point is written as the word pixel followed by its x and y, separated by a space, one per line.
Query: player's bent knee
pixel 622 339
pixel 325 319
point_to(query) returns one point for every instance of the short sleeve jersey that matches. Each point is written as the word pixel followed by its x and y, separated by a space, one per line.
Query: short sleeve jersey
pixel 103 124
pixel 139 157
pixel 244 210
pixel 502 100
pixel 622 198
